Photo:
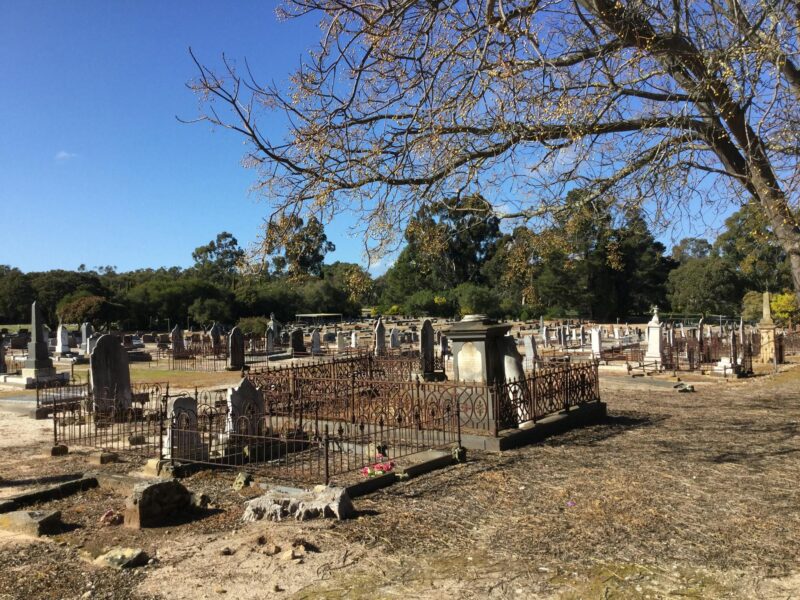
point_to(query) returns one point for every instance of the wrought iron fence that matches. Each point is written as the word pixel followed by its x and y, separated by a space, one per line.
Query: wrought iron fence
pixel 550 390
pixel 304 434
pixel 108 420
pixel 300 425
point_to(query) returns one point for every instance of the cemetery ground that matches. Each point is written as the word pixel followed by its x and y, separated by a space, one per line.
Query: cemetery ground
pixel 674 495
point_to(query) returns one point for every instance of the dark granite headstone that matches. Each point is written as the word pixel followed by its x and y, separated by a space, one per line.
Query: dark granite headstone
pixel 236 350
pixel 426 347
pixel 297 341
pixel 38 357
pixel 109 375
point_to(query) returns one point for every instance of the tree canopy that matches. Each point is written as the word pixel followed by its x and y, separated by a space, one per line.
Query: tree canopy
pixel 661 105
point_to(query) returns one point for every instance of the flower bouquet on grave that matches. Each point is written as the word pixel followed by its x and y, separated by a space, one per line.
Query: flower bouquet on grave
pixel 383 466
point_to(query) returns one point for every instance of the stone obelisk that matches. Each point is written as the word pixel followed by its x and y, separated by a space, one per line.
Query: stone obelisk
pixel 38 364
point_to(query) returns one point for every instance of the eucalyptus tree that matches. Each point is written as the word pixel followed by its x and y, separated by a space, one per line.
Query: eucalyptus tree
pixel 671 106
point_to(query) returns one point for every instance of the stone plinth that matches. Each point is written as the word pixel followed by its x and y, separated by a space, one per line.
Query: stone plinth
pixel 767 354
pixel 479 349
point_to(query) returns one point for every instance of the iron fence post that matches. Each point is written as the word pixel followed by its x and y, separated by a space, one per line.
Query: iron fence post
pixel 55 416
pixel 326 452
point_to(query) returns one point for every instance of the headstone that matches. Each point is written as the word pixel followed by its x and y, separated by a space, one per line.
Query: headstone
pixel 215 333
pixel 245 410
pixel 91 343
pixel 176 337
pixel 109 375
pixel 297 340
pixel 530 351
pixel 316 345
pixel 236 350
pixel 597 341
pixel 2 355
pixel 86 332
pixel 515 375
pixel 426 347
pixel 444 347
pixel 394 338
pixel 379 345
pixel 354 339
pixel 275 325
pixel 182 440
pixel 341 341
pixel 767 331
pixel 545 336
pixel 654 339
pixel 38 363
pixel 62 340
pixel 270 341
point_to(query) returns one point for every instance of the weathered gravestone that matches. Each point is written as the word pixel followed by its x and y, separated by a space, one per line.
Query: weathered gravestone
pixel 597 341
pixel 275 325
pixel 270 341
pixel 426 348
pixel 235 350
pixel 215 333
pixel 545 336
pixel 316 345
pixel 297 340
pixel 176 337
pixel 516 390
pixel 38 364
pixel 183 440
pixel 379 344
pixel 92 342
pixel 62 340
pixel 530 351
pixel 245 410
pixel 341 341
pixel 354 339
pixel 394 338
pixel 109 375
pixel 654 339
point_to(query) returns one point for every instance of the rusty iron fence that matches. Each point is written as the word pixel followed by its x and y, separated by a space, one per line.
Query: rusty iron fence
pixel 106 420
pixel 791 342
pixel 313 422
pixel 299 436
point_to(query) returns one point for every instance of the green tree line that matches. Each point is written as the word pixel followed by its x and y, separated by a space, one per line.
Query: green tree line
pixel 456 260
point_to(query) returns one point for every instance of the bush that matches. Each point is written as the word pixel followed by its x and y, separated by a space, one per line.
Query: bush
pixel 256 325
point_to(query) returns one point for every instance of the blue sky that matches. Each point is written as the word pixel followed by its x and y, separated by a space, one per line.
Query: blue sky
pixel 94 166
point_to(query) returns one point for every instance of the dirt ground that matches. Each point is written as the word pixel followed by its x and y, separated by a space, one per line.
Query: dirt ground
pixel 689 495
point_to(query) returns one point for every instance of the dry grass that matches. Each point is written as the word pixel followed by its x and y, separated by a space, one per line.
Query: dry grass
pixel 675 495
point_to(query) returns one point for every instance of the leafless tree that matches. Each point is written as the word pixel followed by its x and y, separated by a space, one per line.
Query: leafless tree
pixel 674 106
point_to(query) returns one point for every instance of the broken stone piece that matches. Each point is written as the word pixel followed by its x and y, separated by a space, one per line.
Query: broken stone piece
pixel 30 522
pixel 103 458
pixel 280 503
pixel 242 480
pixel 153 501
pixel 122 558
pixel 59 450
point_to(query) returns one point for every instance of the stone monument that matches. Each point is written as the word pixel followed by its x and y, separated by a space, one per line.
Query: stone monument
pixel 235 350
pixel 109 375
pixel 653 353
pixel 426 342
pixel 767 330
pixel 38 364
pixel 298 345
pixel 379 345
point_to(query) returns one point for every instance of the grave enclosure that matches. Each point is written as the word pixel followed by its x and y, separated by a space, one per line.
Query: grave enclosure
pixel 317 422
